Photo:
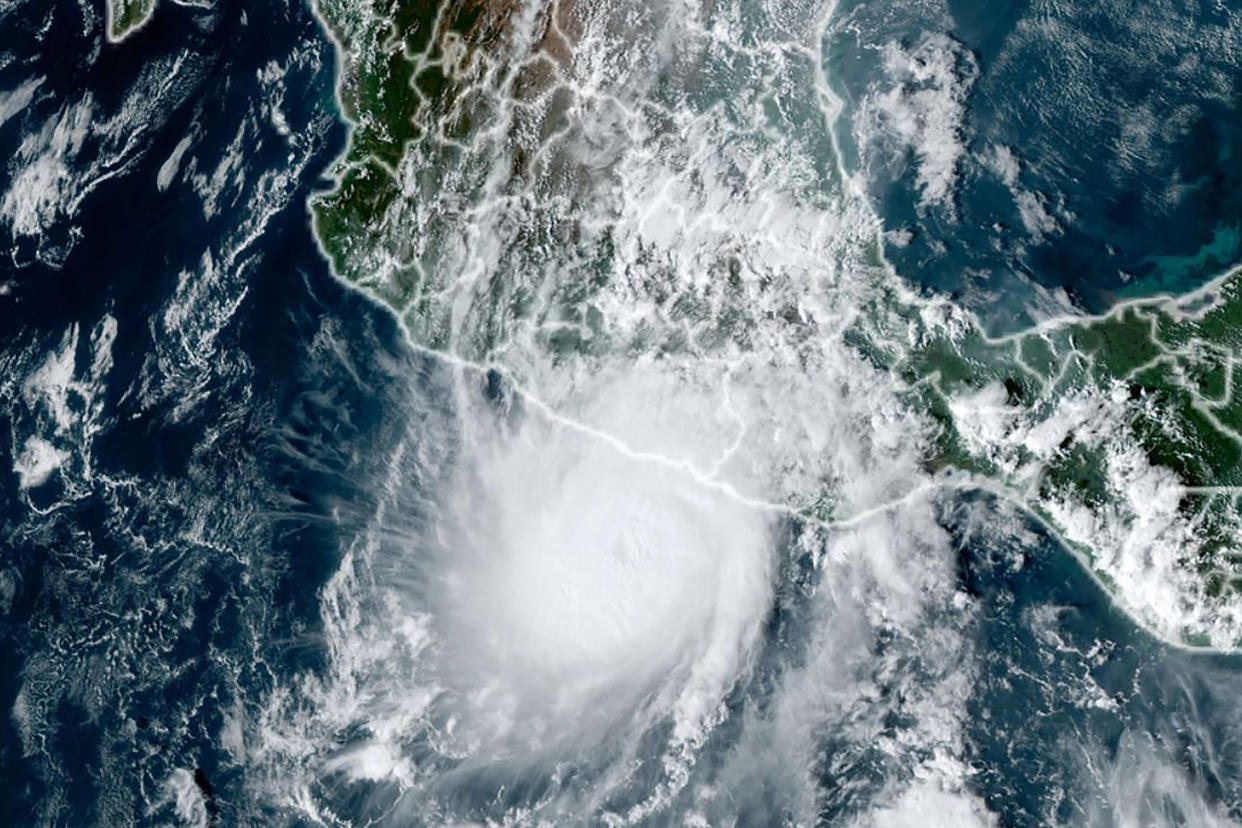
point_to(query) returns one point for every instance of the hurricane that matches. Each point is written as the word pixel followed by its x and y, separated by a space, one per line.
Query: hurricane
pixel 734 413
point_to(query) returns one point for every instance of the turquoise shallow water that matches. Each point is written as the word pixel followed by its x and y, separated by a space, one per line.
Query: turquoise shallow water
pixel 163 591
pixel 1119 132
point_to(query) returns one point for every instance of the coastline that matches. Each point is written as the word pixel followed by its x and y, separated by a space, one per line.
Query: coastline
pixel 118 33
pixel 831 106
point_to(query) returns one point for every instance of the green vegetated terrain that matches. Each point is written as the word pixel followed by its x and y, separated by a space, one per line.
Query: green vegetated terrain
pixel 1121 432
pixel 1060 405
pixel 405 66
pixel 125 16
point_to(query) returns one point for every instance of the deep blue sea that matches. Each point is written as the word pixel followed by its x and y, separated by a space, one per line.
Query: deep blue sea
pixel 217 408
pixel 166 579
pixel 1097 147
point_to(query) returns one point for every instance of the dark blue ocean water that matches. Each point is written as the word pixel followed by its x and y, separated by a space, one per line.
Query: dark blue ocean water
pixel 1122 126
pixel 167 577
pixel 163 583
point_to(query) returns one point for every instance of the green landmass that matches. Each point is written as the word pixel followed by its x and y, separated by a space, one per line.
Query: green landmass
pixel 127 16
pixel 406 69
pixel 1126 424
pixel 1122 433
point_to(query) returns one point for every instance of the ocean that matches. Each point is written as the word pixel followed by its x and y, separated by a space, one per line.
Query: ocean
pixel 268 558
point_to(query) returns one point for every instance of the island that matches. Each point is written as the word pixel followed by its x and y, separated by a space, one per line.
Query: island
pixel 127 16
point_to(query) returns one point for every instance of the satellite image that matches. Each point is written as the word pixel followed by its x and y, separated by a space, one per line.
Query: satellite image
pixel 620 412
